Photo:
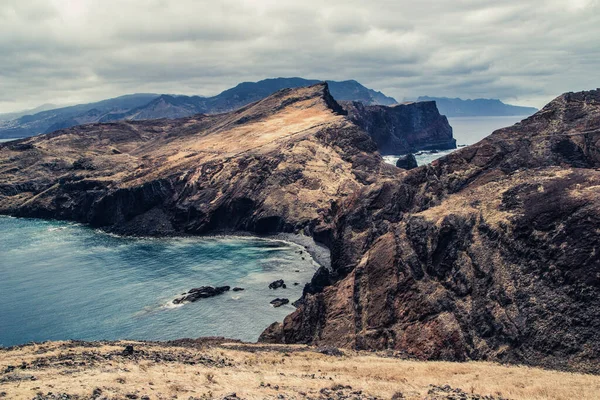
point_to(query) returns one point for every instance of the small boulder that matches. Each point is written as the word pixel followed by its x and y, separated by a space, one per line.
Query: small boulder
pixel 128 351
pixel 331 351
pixel 277 284
pixel 407 161
pixel 279 302
pixel 237 289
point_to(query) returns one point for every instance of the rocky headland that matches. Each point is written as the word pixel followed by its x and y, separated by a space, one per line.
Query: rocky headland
pixel 403 128
pixel 282 164
pixel 490 253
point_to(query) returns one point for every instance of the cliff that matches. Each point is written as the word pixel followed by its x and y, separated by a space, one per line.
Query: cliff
pixel 279 165
pixel 403 128
pixel 489 253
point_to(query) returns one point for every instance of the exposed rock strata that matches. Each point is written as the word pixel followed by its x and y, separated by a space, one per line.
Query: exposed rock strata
pixel 403 128
pixel 492 252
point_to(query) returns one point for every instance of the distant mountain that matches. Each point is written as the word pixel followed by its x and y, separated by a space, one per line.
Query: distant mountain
pixel 476 108
pixel 51 120
pixel 19 114
pixel 154 106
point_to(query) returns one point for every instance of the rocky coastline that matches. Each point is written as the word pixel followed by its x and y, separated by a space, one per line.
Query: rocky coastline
pixel 464 259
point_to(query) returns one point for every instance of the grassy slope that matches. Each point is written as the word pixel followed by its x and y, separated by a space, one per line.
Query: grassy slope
pixel 206 369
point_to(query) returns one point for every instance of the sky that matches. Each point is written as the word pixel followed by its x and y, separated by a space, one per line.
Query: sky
pixel 73 51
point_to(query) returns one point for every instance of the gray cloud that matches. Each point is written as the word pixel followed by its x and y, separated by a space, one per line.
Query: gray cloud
pixel 69 51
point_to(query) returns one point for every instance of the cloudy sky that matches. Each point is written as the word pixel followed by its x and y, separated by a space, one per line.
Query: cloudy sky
pixel 521 51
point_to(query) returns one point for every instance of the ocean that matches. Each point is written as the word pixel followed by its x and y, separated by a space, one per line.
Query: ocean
pixel 467 131
pixel 61 280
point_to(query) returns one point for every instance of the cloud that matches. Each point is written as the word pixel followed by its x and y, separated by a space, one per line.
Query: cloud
pixel 69 51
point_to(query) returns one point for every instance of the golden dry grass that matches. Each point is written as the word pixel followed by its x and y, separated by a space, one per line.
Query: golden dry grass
pixel 256 372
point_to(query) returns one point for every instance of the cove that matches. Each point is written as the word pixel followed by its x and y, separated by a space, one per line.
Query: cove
pixel 61 281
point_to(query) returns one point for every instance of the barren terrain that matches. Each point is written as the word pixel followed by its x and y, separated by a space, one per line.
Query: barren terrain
pixel 208 369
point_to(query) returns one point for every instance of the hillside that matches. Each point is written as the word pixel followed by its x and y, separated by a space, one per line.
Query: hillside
pixel 185 175
pixel 477 108
pixel 489 253
pixel 19 114
pixel 216 369
pixel 139 107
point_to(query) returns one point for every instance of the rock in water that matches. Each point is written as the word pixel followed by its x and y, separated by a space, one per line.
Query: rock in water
pixel 201 293
pixel 407 161
pixel 279 302
pixel 237 289
pixel 277 284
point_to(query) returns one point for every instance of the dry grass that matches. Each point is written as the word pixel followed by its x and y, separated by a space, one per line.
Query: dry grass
pixel 255 372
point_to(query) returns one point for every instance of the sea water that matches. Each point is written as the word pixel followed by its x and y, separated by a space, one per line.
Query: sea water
pixel 62 280
pixel 466 131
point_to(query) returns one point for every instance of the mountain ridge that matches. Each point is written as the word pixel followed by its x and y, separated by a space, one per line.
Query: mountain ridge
pixel 457 107
pixel 155 106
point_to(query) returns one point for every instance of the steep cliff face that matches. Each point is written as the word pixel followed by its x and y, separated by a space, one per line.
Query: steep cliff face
pixel 492 252
pixel 403 128
pixel 281 164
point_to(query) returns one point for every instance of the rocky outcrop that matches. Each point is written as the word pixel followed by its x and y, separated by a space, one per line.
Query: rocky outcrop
pixel 403 128
pixel 407 161
pixel 278 302
pixel 490 253
pixel 203 292
pixel 277 284
pixel 138 107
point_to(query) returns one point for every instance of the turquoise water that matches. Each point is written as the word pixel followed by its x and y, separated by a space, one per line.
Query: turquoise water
pixel 466 131
pixel 62 281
